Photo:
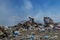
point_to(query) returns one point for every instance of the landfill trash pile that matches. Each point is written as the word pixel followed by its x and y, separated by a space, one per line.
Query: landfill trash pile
pixel 31 30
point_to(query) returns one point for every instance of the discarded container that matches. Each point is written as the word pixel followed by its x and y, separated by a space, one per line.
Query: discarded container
pixel 32 37
pixel 42 30
pixel 46 37
pixel 16 33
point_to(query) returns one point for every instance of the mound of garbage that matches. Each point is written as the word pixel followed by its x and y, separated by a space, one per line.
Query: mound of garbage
pixel 31 30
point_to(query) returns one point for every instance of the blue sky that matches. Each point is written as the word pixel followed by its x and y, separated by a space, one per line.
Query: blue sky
pixel 14 11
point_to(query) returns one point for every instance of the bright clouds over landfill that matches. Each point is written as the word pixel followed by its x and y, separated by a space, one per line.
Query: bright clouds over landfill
pixel 14 11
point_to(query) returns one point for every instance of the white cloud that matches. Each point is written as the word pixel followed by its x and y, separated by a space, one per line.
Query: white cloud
pixel 9 16
pixel 28 4
pixel 14 20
